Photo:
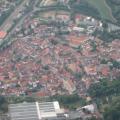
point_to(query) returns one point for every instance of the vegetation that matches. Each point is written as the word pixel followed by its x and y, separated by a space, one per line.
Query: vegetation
pixel 107 95
pixel 112 112
pixel 103 8
pixel 105 35
pixel 99 9
pixel 7 13
pixel 3 104
pixel 105 88
pixel 79 49
pixel 96 8
pixel 78 75
pixel 84 8
pixel 115 6
pixel 115 64
pixel 94 46
pixel 70 101
pixel 4 16
pixel 20 99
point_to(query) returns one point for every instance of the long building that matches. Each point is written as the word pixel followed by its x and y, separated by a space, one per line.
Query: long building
pixel 36 111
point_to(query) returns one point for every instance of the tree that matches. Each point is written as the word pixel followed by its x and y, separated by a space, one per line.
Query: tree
pixel 93 45
pixel 105 88
pixel 70 101
pixel 78 75
pixel 116 64
pixel 3 104
pixel 79 49
pixel 113 111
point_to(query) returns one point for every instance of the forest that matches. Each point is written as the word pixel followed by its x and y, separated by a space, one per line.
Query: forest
pixel 106 94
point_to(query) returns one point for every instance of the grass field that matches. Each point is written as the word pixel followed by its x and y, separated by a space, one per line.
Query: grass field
pixel 103 8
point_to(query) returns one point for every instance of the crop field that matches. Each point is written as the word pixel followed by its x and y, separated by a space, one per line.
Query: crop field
pixel 103 8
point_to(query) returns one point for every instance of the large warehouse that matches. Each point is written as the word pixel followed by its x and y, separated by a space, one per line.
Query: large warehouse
pixel 35 111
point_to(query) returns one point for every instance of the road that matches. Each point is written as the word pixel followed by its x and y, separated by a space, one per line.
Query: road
pixel 9 21
pixel 8 39
pixel 23 17
pixel 43 2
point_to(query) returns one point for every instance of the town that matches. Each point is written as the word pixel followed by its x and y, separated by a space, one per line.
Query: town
pixel 53 54
pixel 45 50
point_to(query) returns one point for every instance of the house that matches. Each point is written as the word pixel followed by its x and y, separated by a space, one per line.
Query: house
pixel 69 85
pixel 63 17
pixel 90 70
pixel 75 41
pixel 2 34
pixel 104 70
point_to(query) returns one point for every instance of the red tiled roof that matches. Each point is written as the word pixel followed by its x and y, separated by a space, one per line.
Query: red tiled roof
pixel 90 69
pixel 105 71
pixel 2 34
pixel 77 40
pixel 78 16
pixel 41 94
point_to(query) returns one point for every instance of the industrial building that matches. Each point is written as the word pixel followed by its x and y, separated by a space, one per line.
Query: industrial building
pixel 36 111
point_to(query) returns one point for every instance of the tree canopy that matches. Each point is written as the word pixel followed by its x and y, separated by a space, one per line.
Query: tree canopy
pixel 112 112
pixel 105 88
pixel 3 104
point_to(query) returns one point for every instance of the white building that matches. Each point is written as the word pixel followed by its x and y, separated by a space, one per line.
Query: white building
pixel 35 111
pixel 90 108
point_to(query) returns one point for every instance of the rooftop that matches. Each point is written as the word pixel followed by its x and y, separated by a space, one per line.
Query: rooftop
pixel 35 110
pixel 2 34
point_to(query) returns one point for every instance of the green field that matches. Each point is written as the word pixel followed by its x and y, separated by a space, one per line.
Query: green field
pixel 103 8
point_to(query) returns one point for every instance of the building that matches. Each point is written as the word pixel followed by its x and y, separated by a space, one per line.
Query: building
pixel 36 111
pixel 69 85
pixel 2 34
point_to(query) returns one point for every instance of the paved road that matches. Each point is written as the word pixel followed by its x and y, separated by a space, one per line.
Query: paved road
pixel 9 21
pixel 20 22
pixel 43 2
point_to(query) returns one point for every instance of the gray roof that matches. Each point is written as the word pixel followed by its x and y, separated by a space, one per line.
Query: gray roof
pixel 46 107
pixel 24 111
pixel 34 111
